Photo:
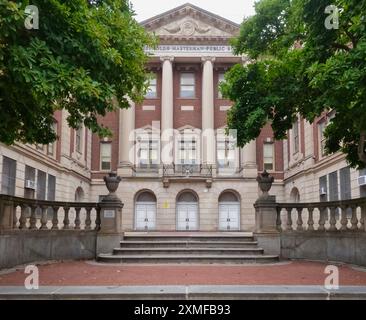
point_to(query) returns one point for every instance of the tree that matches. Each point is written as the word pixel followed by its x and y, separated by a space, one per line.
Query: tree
pixel 303 63
pixel 86 57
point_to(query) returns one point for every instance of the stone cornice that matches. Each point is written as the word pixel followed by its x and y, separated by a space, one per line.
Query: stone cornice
pixel 194 12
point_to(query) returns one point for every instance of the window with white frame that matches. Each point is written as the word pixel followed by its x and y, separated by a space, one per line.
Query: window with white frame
pixel 188 149
pixel 221 80
pixel 148 150
pixel 321 129
pixel 187 85
pixel 268 156
pixel 105 156
pixel 226 151
pixel 296 136
pixel 79 140
pixel 52 146
pixel 152 91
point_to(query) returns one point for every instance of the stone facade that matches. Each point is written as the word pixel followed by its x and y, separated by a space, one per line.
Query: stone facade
pixel 196 42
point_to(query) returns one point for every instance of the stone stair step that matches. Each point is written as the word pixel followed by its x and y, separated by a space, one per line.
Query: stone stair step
pixel 188 238
pixel 192 243
pixel 200 259
pixel 187 251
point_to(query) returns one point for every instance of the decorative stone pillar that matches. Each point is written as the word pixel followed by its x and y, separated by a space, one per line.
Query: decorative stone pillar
pixel 249 159
pixel 110 233
pixel 265 206
pixel 167 102
pixel 266 232
pixel 208 127
pixel 7 211
pixel 126 140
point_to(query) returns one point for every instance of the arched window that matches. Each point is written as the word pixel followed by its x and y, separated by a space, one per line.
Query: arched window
pixel 228 196
pixel 295 195
pixel 79 195
pixel 187 196
pixel 229 211
pixel 145 211
pixel 187 211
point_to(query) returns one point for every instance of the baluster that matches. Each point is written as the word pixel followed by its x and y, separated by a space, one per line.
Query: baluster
pixel 322 219
pixel 289 219
pixel 33 218
pixel 354 220
pixel 311 219
pixel 88 220
pixel 344 220
pixel 44 218
pixel 332 219
pixel 278 220
pixel 23 218
pixel 55 218
pixel 15 219
pixel 299 220
pixel 66 219
pixel 97 220
pixel 77 219
pixel 363 217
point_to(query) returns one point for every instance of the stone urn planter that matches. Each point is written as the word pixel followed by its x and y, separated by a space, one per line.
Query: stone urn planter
pixel 112 182
pixel 265 181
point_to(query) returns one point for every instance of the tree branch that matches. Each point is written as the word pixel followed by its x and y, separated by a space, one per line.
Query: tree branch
pixel 341 46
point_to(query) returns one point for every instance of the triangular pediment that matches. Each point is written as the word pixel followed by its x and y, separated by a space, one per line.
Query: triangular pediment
pixel 189 22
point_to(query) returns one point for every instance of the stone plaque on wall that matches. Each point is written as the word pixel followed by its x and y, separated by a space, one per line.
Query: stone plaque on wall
pixel 109 214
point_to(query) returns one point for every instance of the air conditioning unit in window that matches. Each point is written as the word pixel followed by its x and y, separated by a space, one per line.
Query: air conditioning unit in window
pixel 30 184
pixel 362 181
pixel 323 191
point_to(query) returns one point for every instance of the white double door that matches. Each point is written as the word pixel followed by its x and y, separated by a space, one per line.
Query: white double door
pixel 187 216
pixel 229 216
pixel 145 216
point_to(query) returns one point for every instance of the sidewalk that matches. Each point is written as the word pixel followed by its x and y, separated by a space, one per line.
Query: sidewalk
pixel 88 273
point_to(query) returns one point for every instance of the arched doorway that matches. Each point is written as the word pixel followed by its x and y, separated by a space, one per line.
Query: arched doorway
pixel 145 211
pixel 187 211
pixel 295 195
pixel 229 211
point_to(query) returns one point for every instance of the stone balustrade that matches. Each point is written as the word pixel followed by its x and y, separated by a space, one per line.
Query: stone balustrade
pixel 333 216
pixel 30 214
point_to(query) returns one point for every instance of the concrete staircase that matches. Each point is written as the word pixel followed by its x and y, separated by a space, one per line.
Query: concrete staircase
pixel 184 247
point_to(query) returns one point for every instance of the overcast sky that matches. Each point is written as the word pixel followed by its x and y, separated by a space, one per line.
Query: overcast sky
pixel 234 10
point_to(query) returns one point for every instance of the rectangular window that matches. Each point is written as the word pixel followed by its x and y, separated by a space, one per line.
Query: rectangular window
pixel 321 128
pixel 148 152
pixel 221 79
pixel 51 148
pixel 295 132
pixel 187 85
pixel 30 180
pixel 105 156
pixel 333 186
pixel 152 90
pixel 51 188
pixel 362 188
pixel 8 176
pixel 41 185
pixel 225 153
pixel 345 183
pixel 323 188
pixel 78 140
pixel 268 156
pixel 187 148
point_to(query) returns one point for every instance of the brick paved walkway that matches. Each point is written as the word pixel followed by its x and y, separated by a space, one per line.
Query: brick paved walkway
pixel 86 273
